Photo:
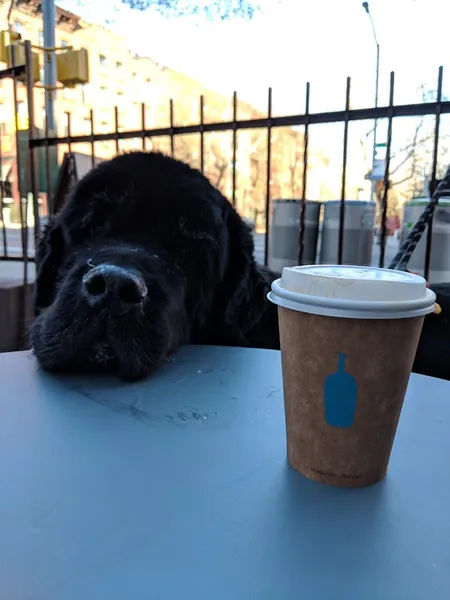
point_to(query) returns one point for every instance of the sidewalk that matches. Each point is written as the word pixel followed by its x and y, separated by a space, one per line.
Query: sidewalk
pixel 12 272
pixel 10 225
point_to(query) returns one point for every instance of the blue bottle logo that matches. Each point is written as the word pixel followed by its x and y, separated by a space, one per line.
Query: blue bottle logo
pixel 340 394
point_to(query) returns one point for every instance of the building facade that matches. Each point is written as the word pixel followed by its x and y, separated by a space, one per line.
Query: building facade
pixel 120 84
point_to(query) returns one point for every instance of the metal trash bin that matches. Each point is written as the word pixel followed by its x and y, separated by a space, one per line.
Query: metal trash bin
pixel 285 233
pixel 440 248
pixel 359 224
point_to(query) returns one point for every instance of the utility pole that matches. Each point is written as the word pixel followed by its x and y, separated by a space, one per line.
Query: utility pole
pixel 365 5
pixel 49 22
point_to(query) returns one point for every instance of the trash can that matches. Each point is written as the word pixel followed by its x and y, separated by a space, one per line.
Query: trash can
pixel 359 224
pixel 440 248
pixel 285 233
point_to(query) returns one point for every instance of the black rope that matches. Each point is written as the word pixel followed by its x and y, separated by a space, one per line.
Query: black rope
pixel 407 248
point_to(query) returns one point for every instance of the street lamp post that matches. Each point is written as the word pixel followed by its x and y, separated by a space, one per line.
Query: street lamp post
pixel 49 22
pixel 365 5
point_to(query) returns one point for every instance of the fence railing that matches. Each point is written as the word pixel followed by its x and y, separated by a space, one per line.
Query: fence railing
pixel 267 123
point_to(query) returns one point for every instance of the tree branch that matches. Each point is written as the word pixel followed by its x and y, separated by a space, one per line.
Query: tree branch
pixel 400 181
pixel 221 10
pixel 403 162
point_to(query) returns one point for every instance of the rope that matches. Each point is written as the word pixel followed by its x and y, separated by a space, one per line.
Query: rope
pixel 407 248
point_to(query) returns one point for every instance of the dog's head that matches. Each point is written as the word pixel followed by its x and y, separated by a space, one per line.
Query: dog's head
pixel 137 263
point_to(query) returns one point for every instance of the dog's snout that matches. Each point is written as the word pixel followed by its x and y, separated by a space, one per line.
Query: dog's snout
pixel 110 281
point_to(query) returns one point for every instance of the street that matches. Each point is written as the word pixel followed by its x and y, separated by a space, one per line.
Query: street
pixel 14 245
pixel 14 241
pixel 391 249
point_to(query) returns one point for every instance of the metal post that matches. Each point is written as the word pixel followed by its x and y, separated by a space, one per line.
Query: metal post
pixel 375 125
pixel 49 22
pixel 31 151
pixel 377 77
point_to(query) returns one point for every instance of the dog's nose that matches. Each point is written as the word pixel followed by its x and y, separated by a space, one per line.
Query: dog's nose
pixel 114 282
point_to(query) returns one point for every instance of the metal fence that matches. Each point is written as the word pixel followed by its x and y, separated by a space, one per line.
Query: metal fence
pixel 306 119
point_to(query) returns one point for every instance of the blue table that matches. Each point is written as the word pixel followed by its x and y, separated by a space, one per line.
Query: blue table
pixel 178 488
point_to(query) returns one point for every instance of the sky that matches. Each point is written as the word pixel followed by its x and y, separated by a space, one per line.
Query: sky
pixel 295 41
pixel 292 42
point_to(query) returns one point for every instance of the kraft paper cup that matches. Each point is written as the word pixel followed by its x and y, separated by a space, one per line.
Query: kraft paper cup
pixel 348 341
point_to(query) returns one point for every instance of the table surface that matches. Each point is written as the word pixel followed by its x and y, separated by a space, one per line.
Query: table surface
pixel 178 488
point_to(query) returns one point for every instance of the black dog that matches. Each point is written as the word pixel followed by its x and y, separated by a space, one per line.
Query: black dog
pixel 145 256
pixel 433 353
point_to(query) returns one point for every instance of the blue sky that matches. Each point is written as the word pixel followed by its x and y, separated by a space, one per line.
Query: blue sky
pixel 294 41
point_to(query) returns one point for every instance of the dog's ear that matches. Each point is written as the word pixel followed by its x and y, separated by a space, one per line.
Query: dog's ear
pixel 49 256
pixel 241 300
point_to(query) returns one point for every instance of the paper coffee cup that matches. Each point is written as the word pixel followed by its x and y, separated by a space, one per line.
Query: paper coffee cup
pixel 348 341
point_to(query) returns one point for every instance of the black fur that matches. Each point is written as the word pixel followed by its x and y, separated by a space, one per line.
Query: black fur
pixel 433 353
pixel 156 215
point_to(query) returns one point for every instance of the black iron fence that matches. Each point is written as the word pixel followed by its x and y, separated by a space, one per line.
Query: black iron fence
pixel 268 123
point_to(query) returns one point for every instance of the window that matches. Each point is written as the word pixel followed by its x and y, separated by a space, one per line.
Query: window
pixel 69 93
pixel 86 125
pixel 7 191
pixel 119 100
pixel 64 43
pixel 120 121
pixel 3 120
pixel 66 123
pixel 84 92
pixel 102 61
pixel 41 38
pixel 19 27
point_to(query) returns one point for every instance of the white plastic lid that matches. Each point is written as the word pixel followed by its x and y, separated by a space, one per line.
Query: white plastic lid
pixel 353 292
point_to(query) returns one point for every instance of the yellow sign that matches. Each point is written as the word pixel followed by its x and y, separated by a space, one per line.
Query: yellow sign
pixel 7 143
pixel 22 121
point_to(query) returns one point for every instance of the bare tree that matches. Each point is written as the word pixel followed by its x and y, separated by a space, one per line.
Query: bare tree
pixel 255 171
pixel 215 9
pixel 294 163
pixel 410 164
pixel 257 180
pixel 184 150
pixel 221 165
pixel 221 161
